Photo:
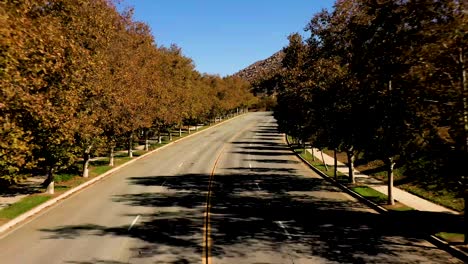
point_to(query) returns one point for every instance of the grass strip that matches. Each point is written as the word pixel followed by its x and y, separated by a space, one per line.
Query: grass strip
pixel 451 237
pixel 23 205
pixel 319 165
pixel 370 194
pixel 365 191
pixel 69 181
pixel 442 197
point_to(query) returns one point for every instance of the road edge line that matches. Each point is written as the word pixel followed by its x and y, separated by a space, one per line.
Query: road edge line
pixel 22 218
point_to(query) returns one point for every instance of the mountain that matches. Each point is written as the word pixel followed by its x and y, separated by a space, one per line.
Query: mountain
pixel 261 68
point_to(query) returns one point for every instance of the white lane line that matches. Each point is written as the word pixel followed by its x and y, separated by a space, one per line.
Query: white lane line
pixel 180 165
pixel 284 228
pixel 134 222
pixel 258 187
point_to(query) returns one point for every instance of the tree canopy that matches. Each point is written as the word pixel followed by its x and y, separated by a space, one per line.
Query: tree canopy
pixel 384 78
pixel 75 74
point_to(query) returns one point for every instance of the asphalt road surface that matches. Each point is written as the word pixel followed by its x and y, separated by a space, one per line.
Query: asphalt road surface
pixel 231 194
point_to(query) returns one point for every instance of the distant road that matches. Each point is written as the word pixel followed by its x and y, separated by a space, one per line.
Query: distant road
pixel 264 207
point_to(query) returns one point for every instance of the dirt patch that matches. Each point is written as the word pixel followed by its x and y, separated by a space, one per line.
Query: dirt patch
pixel 3 221
pixel 340 156
pixel 396 207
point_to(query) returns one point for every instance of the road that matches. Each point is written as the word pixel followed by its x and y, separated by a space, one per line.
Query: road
pixel 264 206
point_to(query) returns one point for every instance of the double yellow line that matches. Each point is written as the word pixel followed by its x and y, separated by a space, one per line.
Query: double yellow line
pixel 207 241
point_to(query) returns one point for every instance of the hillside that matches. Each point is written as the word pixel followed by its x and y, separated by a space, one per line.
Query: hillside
pixel 261 68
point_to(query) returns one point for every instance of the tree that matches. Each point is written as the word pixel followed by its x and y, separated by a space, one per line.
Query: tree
pixel 48 67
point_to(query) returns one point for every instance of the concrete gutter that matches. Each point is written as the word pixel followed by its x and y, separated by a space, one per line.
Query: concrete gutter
pixel 458 253
pixel 34 211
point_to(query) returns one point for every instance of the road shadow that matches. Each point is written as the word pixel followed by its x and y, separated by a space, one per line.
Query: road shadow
pixel 271 209
pixel 246 210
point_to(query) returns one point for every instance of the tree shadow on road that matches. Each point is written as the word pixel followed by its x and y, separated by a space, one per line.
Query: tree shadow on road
pixel 245 216
pixel 269 210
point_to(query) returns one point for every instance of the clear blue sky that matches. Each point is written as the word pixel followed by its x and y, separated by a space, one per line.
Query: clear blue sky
pixel 225 36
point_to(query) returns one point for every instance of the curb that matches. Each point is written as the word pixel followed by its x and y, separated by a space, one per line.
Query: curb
pixel 26 215
pixel 458 253
pixel 356 195
pixel 432 239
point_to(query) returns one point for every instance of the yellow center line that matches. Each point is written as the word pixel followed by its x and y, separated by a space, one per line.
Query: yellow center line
pixel 207 241
pixel 207 226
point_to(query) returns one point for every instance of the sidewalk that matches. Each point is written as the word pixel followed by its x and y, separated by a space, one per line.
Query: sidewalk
pixel 399 195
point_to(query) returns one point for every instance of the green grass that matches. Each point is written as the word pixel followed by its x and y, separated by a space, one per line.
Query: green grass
pixel 379 198
pixel 71 180
pixel 62 177
pixel 365 191
pixel 399 207
pixel 442 197
pixel 451 237
pixel 137 153
pixel 99 170
pixel 22 206
pixel 319 165
pixel 370 194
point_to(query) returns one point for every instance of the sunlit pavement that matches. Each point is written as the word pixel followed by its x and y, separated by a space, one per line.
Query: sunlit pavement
pixel 265 207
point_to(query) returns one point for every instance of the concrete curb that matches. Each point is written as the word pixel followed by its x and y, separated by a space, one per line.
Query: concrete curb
pixel 432 239
pixel 458 253
pixel 23 217
pixel 356 195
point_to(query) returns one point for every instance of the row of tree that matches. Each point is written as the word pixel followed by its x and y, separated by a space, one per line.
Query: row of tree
pixel 385 78
pixel 75 74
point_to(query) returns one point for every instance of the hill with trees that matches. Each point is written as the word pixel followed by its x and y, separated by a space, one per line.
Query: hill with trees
pixel 262 68
pixel 261 77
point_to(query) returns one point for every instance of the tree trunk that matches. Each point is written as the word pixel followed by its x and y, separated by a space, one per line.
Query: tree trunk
pixel 464 92
pixel 50 181
pixel 188 129
pixel 323 160
pixel 391 165
pixel 146 140
pixel 196 127
pixel 465 196
pixel 130 145
pixel 335 170
pixel 350 155
pixel 86 157
pixel 111 156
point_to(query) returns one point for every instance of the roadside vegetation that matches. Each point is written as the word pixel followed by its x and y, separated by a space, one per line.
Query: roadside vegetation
pixel 22 206
pixel 79 79
pixel 454 237
pixel 432 189
pixel 384 84
pixel 71 177
pixel 363 190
